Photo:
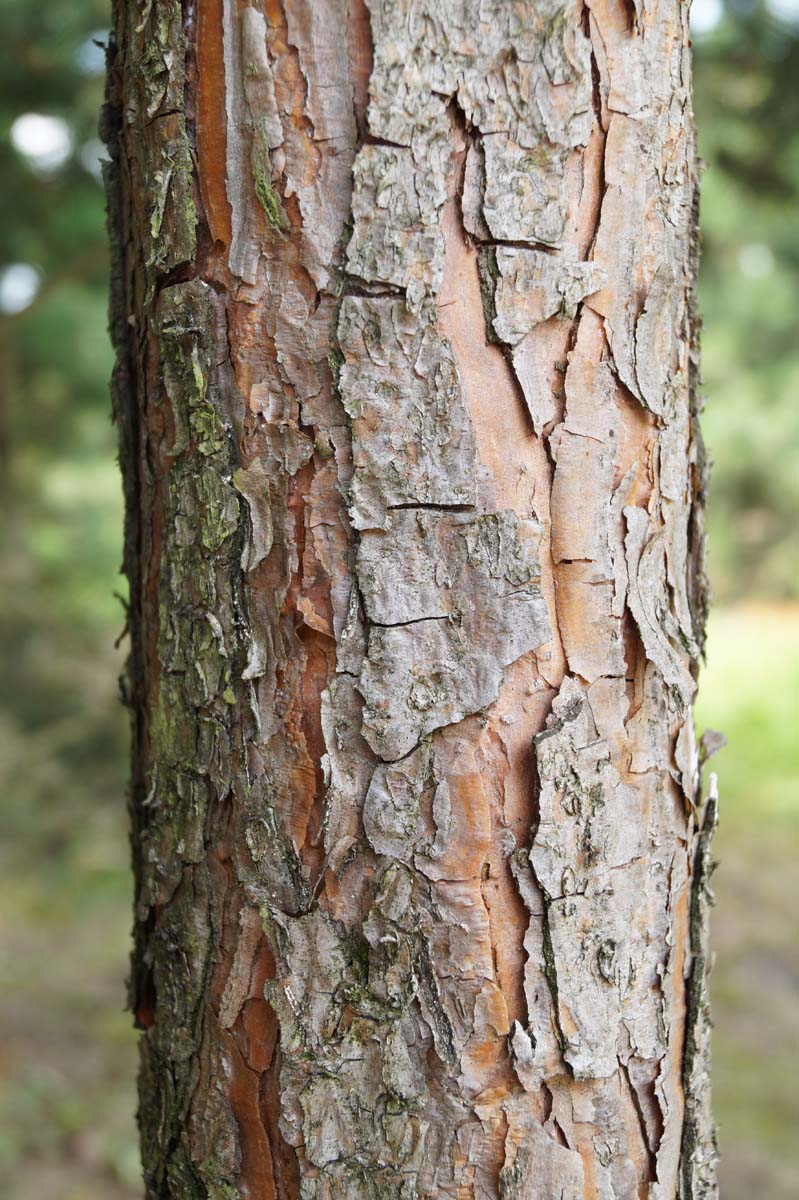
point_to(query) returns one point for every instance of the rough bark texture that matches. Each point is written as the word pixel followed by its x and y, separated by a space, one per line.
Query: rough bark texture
pixel 406 388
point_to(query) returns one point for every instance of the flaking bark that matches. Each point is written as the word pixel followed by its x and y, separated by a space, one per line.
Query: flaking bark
pixel 406 387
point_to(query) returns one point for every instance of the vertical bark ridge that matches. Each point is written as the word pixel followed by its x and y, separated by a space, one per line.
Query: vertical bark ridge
pixel 406 385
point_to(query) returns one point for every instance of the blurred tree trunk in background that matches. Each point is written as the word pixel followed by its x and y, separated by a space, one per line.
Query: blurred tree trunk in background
pixel 406 388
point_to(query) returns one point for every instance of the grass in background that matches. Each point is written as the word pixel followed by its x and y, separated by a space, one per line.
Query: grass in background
pixel 750 691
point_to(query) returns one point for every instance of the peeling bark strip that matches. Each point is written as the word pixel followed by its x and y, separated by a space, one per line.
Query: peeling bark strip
pixel 406 388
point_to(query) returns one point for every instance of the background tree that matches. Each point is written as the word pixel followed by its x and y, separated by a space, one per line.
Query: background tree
pixel 66 1065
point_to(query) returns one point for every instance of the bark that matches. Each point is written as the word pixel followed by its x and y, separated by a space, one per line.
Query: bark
pixel 406 386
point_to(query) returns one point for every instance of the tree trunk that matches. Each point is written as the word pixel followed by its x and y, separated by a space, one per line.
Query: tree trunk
pixel 406 386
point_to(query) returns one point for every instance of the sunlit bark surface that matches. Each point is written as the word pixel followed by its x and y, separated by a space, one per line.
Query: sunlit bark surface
pixel 406 387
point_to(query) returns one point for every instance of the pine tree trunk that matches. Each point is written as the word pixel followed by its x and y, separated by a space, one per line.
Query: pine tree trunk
pixel 406 386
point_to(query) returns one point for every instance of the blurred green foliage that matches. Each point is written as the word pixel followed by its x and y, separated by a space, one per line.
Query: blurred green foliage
pixel 751 691
pixel 67 1059
pixel 747 112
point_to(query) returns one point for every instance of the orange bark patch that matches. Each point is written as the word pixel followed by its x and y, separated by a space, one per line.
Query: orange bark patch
pixel 256 1180
pixel 249 1054
pixel 211 131
pixel 505 440
pixel 469 818
pixel 290 92
pixel 360 54
pixel 638 436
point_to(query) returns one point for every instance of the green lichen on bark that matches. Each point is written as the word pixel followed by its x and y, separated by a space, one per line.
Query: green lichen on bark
pixel 269 200
pixel 261 164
